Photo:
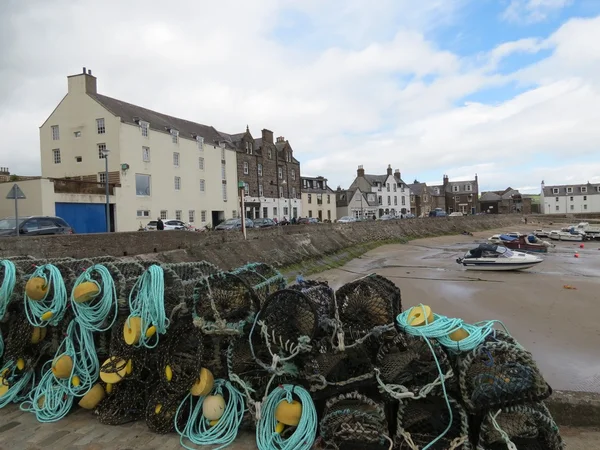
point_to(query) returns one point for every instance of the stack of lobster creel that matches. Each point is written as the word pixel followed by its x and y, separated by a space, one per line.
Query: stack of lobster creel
pixel 205 353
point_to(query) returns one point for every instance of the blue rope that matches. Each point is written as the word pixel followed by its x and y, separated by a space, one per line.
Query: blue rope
pixel 198 430
pixel 147 301
pixel 50 400
pixel 91 315
pixel 18 382
pixel 79 345
pixel 303 436
pixel 57 305
pixel 6 291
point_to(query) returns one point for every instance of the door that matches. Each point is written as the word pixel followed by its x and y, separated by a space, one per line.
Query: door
pixel 83 217
pixel 265 212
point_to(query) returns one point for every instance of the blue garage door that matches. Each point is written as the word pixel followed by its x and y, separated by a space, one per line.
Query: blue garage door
pixel 83 217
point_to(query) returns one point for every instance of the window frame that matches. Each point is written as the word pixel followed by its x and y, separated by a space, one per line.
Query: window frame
pixel 176 159
pixel 177 184
pixel 149 177
pixel 246 167
pixel 56 156
pixel 174 136
pixel 101 146
pixel 55 132
pixel 145 154
pixel 201 163
pixel 100 126
pixel 202 186
pixel 144 128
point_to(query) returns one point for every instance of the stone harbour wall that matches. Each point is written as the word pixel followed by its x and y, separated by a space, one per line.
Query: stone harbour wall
pixel 279 246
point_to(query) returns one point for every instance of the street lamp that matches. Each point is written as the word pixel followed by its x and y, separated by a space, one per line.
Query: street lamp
pixel 105 152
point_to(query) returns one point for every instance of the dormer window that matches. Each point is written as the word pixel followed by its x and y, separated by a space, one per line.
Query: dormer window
pixel 469 188
pixel 144 126
pixel 437 191
pixel 288 156
pixel 200 143
pixel 555 190
pixel 455 188
pixel 569 190
pixel 174 136
pixel 249 148
pixel 584 189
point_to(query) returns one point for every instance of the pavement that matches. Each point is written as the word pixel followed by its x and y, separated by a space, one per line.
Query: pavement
pixel 558 325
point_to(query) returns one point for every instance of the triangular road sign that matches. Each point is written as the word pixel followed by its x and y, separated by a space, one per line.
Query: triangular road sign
pixel 15 192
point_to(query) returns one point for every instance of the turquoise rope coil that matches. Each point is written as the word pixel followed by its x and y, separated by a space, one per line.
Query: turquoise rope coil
pixel 79 346
pixel 57 305
pixel 50 400
pixel 303 436
pixel 18 382
pixel 198 430
pixel 92 315
pixel 6 291
pixel 147 301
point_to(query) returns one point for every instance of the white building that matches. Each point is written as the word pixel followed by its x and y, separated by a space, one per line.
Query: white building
pixel 318 199
pixel 570 198
pixel 164 166
pixel 392 195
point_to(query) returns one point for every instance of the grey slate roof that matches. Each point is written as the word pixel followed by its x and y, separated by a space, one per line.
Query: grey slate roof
pixel 490 197
pixel 158 121
pixel 592 189
pixel 417 188
pixel 462 187
pixel 372 179
pixel 440 188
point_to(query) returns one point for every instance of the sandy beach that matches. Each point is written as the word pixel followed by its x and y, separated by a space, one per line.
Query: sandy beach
pixel 561 327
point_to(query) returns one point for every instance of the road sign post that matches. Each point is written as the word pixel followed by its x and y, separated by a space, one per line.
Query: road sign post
pixel 16 193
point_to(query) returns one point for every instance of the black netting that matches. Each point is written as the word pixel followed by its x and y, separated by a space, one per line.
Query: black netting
pixel 125 403
pixel 529 427
pixel 262 278
pixel 354 421
pixel 214 356
pixel 161 411
pixel 500 373
pixel 190 273
pixel 421 422
pixel 321 296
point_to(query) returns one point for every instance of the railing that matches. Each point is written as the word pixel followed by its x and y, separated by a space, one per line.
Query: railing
pixel 64 186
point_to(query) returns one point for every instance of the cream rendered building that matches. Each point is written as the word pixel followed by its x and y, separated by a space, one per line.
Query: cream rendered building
pixel 165 166
pixel 318 199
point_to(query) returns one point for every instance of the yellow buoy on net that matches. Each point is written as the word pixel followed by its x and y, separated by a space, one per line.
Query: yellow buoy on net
pixel 113 370
pixel 4 386
pixel 20 364
pixel 36 288
pixel 94 396
pixel 151 331
pixel 62 366
pixel 158 409
pixel 287 413
pixel 47 315
pixel 75 381
pixel 459 334
pixel 419 316
pixel 132 330
pixel 168 373
pixel 38 334
pixel 129 367
pixel 213 407
pixel 85 291
pixel 204 384
pixel 108 388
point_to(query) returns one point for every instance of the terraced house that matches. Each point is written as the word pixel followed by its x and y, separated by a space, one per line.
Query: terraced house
pixel 318 199
pixel 461 196
pixel 158 165
pixel 570 198
pixel 270 173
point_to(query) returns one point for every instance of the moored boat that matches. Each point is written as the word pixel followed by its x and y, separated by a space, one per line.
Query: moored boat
pixel 567 234
pixel 497 257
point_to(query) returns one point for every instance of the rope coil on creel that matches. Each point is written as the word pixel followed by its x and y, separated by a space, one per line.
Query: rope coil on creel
pixel 281 409
pixel 15 383
pixel 214 418
pixel 45 296
pixel 92 312
pixel 7 288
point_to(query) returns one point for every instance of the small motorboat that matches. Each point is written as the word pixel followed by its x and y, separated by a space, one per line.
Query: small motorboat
pixel 529 243
pixel 497 257
pixel 541 233
pixel 567 234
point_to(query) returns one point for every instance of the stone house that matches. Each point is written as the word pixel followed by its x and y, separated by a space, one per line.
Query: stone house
pixel 506 201
pixel 422 200
pixel 318 199
pixel 270 173
pixel 461 196
pixel 356 203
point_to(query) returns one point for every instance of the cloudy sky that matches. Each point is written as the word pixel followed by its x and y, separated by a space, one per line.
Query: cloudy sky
pixel 508 89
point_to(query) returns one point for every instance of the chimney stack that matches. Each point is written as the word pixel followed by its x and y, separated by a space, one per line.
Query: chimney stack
pixel 445 180
pixel 389 169
pixel 82 83
pixel 280 139
pixel 84 70
pixel 267 136
pixel 360 172
pixel 397 174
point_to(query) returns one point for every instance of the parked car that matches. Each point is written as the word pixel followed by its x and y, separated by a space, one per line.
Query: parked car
pixel 438 212
pixel 456 214
pixel 170 224
pixel 234 224
pixel 347 219
pixel 307 220
pixel 263 222
pixel 35 226
pixel 409 216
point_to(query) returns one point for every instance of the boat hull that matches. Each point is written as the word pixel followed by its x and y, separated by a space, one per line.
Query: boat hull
pixel 494 266
pixel 525 247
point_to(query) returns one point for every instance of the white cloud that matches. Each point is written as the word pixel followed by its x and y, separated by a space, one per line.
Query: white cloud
pixel 375 90
pixel 531 11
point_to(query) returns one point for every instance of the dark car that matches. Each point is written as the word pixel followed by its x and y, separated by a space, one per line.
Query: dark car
pixel 438 212
pixel 263 222
pixel 35 226
pixel 234 224
pixel 308 220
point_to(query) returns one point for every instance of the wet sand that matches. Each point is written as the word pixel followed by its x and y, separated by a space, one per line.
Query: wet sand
pixel 561 327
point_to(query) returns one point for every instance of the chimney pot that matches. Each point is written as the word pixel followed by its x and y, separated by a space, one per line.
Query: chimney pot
pixel 84 70
pixel 89 71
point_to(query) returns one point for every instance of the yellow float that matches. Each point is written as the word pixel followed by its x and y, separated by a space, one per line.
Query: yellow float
pixel 132 330
pixel 47 315
pixel 75 381
pixel 423 315
pixel 62 366
pixel 151 331
pixel 20 364
pixel 86 291
pixel 287 413
pixel 213 407
pixel 204 384
pixel 36 288
pixel 94 396
pixel 168 373
pixel 113 370
pixel 109 388
pixel 38 334
pixel 4 386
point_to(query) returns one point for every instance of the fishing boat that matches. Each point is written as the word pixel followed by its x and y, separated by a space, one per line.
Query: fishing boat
pixel 591 231
pixel 567 234
pixel 529 243
pixel 497 257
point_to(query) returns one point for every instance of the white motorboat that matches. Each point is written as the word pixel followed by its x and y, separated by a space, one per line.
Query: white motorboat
pixel 541 233
pixel 567 234
pixel 497 257
pixel 592 232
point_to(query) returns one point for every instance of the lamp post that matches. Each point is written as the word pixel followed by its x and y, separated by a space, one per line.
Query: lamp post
pixel 105 152
pixel 242 189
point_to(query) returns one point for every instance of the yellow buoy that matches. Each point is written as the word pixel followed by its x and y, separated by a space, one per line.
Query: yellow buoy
pixel 41 401
pixel 213 407
pixel 458 335
pixel 86 291
pixel 38 334
pixel 36 288
pixel 129 367
pixel 151 331
pixel 279 428
pixel 20 364
pixel 4 372
pixel 132 330
pixel 420 315
pixel 168 373
pixel 288 413
pixel 4 386
pixel 75 381
pixel 157 409
pixel 212 423
pixel 62 366
pixel 47 315
pixel 113 370
pixel 204 384
pixel 108 388
pixel 94 396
